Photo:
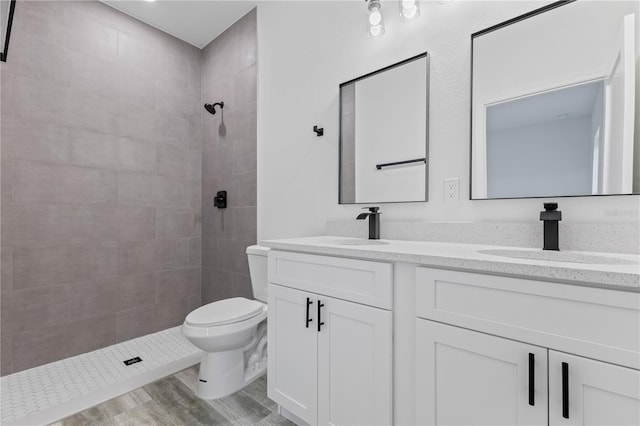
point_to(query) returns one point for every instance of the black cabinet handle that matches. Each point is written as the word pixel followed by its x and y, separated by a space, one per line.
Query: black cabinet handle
pixel 320 323
pixel 532 378
pixel 309 303
pixel 565 390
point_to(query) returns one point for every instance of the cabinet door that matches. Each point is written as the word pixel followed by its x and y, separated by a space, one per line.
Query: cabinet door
pixel 469 378
pixel 354 364
pixel 292 352
pixel 598 393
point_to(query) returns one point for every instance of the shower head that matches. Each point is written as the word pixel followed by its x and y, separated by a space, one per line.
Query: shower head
pixel 212 107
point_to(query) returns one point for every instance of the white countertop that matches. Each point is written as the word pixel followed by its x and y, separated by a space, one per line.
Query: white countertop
pixel 621 271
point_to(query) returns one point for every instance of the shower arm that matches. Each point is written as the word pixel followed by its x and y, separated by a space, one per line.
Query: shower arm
pixel 211 108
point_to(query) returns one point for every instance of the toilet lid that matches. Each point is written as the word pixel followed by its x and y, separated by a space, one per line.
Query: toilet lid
pixel 224 311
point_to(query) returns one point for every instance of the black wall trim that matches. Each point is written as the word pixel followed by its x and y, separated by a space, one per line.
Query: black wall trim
pixel 5 50
pixel 521 17
pixel 387 68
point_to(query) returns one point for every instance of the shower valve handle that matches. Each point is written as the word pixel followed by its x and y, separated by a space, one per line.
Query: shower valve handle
pixel 220 200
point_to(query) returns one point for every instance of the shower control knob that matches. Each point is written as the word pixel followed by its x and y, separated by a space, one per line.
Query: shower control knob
pixel 220 200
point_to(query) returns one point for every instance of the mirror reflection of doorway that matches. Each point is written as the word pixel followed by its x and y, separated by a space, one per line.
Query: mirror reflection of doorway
pixel 617 173
pixel 561 122
pixel 572 140
pixel 534 139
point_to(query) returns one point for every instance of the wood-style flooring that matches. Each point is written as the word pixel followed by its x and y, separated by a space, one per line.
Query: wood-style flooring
pixel 172 401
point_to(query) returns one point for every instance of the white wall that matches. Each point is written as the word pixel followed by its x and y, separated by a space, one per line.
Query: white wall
pixel 553 157
pixel 306 49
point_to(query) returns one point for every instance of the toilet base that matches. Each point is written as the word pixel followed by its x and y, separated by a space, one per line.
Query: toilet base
pixel 224 373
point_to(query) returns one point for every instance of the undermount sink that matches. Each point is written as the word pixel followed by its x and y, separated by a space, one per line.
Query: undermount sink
pixel 357 242
pixel 560 256
pixel 364 243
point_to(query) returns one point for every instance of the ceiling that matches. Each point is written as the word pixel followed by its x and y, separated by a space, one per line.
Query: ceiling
pixel 563 103
pixel 196 22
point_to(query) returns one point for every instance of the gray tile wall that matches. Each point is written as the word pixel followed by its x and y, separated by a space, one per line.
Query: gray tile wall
pixel 348 144
pixel 101 178
pixel 229 160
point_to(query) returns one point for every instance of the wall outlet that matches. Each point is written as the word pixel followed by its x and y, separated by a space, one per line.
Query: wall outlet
pixel 451 191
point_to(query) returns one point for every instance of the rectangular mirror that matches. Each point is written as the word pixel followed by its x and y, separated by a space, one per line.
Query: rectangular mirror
pixel 7 8
pixel 383 134
pixel 554 100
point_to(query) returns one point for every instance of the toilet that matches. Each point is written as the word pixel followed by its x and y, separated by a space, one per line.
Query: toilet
pixel 233 335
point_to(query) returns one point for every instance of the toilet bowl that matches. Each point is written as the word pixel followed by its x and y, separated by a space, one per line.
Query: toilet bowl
pixel 232 333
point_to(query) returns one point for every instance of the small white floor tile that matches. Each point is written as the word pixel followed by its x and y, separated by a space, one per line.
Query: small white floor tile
pixel 50 392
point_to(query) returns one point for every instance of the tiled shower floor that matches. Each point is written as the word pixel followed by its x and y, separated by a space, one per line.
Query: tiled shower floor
pixel 45 394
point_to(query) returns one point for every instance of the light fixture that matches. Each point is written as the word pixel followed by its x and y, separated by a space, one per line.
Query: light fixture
pixel 149 1
pixel 409 10
pixel 374 20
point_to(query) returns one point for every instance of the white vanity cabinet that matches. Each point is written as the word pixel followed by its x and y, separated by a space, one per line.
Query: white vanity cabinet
pixel 470 378
pixel 485 346
pixel 598 393
pixel 292 352
pixel 330 338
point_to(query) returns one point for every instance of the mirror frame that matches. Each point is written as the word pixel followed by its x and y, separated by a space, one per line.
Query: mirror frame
pixel 424 55
pixel 498 26
pixel 7 34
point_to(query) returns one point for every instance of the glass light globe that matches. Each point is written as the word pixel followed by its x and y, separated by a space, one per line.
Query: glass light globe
pixel 375 17
pixel 409 14
pixel 409 10
pixel 376 31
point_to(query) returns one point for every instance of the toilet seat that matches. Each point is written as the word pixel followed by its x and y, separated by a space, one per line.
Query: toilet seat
pixel 223 312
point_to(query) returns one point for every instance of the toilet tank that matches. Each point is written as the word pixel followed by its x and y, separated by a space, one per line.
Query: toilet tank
pixel 258 269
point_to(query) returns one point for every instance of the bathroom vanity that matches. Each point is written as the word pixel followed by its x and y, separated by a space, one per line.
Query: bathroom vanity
pixel 330 331
pixel 400 332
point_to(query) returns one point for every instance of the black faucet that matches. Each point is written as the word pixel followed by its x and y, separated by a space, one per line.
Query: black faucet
pixel 551 216
pixel 374 222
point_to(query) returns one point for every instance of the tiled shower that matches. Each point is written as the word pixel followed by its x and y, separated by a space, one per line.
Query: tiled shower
pixel 109 168
pixel 229 160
